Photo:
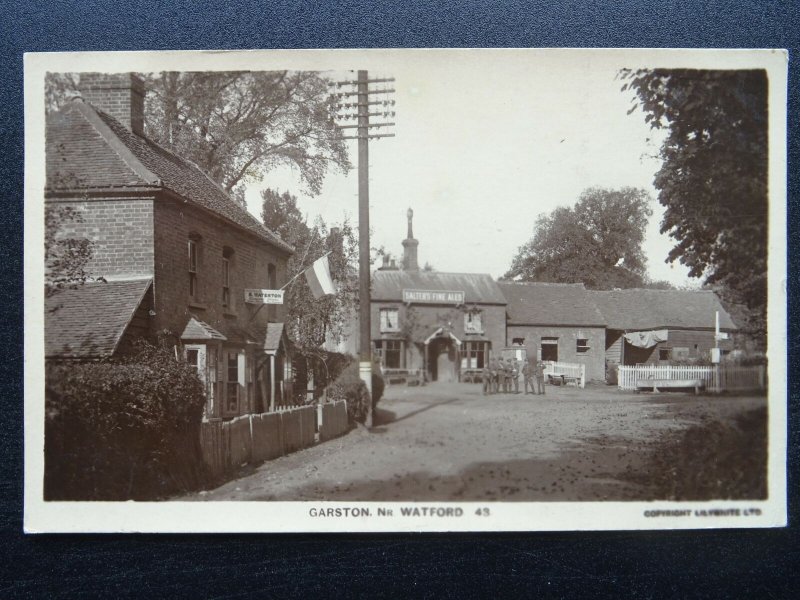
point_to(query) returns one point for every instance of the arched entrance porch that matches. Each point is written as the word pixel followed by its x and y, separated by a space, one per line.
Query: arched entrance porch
pixel 442 351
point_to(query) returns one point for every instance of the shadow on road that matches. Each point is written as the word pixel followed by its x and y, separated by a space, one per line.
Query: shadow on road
pixel 385 417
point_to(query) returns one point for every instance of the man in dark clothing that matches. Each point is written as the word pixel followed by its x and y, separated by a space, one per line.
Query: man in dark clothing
pixel 495 373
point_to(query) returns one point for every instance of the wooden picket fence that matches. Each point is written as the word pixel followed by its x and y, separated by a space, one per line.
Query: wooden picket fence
pixel 259 437
pixel 722 378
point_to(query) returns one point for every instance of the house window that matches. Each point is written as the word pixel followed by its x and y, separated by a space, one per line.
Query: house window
pixel 518 342
pixel 550 348
pixel 193 251
pixel 663 354
pixel 390 320
pixel 472 322
pixel 582 346
pixel 227 254
pixel 235 390
pixel 474 355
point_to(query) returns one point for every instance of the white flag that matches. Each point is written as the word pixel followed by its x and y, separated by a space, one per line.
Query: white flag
pixel 319 279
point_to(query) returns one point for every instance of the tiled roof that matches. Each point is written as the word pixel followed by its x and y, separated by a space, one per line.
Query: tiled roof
pixel 478 288
pixel 550 304
pixel 87 148
pixel 198 330
pixel 639 309
pixel 273 338
pixel 88 321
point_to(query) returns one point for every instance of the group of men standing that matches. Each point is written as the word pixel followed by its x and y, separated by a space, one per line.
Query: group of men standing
pixel 501 375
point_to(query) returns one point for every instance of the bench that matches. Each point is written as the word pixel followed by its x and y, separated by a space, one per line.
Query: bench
pixel 563 379
pixel 660 384
pixel 409 377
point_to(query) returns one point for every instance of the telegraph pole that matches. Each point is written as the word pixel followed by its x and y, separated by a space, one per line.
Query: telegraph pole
pixel 360 111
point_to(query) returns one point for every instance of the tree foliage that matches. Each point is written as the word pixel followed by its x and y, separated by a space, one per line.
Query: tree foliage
pixel 311 321
pixel 598 242
pixel 238 125
pixel 713 179
pixel 66 258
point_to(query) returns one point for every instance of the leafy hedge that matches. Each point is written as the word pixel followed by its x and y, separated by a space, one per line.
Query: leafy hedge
pixel 348 386
pixel 116 431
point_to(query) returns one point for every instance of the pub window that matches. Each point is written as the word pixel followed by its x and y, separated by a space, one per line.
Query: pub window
pixel 518 341
pixel 227 255
pixel 474 355
pixel 392 353
pixel 390 319
pixel 194 244
pixel 472 322
pixel 582 346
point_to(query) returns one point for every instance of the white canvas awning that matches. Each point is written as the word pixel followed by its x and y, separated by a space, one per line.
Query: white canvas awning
pixel 646 339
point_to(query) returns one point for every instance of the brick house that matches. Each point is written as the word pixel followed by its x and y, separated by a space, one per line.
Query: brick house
pixel 175 250
pixel 659 326
pixel 440 323
pixel 556 322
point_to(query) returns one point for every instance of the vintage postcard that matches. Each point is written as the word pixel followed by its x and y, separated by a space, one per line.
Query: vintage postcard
pixel 405 290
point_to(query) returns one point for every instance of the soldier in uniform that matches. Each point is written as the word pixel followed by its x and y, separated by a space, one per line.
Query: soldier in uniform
pixel 494 373
pixel 527 376
pixel 514 369
pixel 486 376
pixel 539 377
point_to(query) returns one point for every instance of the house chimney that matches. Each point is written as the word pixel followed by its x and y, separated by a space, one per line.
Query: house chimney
pixel 120 95
pixel 410 247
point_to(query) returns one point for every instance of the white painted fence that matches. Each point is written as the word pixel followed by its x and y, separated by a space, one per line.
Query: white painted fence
pixel 716 378
pixel 573 371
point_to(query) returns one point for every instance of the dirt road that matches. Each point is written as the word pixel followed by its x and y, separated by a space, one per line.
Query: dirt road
pixel 449 442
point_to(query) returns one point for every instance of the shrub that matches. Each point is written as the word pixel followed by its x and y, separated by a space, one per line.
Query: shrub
pixel 348 386
pixel 126 430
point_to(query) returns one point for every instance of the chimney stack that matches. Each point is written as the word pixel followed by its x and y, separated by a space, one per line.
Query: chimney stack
pixel 410 246
pixel 120 95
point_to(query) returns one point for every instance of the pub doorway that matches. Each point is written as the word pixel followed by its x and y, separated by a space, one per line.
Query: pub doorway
pixel 442 359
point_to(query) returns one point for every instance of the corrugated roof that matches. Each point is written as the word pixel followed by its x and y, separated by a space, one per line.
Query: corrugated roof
pixel 88 321
pixel 478 288
pixel 550 304
pixel 86 148
pixel 640 309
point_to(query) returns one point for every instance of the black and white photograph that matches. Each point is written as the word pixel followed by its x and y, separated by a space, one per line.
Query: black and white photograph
pixel 405 290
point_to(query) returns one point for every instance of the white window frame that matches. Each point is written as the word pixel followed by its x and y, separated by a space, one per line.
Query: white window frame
pixel 240 381
pixel 226 281
pixel 582 349
pixel 193 260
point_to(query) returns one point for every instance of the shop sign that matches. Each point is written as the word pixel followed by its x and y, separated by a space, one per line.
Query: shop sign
pixel 263 296
pixel 433 297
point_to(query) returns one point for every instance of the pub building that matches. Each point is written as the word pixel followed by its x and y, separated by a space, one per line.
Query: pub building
pixel 442 325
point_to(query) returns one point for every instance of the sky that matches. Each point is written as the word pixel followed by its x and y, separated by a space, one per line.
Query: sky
pixel 484 143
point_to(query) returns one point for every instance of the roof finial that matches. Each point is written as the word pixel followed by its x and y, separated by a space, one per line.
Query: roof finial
pixel 410 215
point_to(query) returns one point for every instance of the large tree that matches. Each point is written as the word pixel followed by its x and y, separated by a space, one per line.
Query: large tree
pixel 598 242
pixel 713 179
pixel 311 321
pixel 238 125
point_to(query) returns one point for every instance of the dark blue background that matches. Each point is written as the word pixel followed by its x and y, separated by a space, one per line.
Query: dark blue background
pixel 754 564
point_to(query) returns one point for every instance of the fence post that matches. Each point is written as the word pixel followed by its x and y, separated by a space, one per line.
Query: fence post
pixel 583 376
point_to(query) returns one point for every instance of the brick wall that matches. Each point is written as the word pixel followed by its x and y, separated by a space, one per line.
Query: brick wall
pixel 120 95
pixel 568 337
pixel 122 230
pixel 174 224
